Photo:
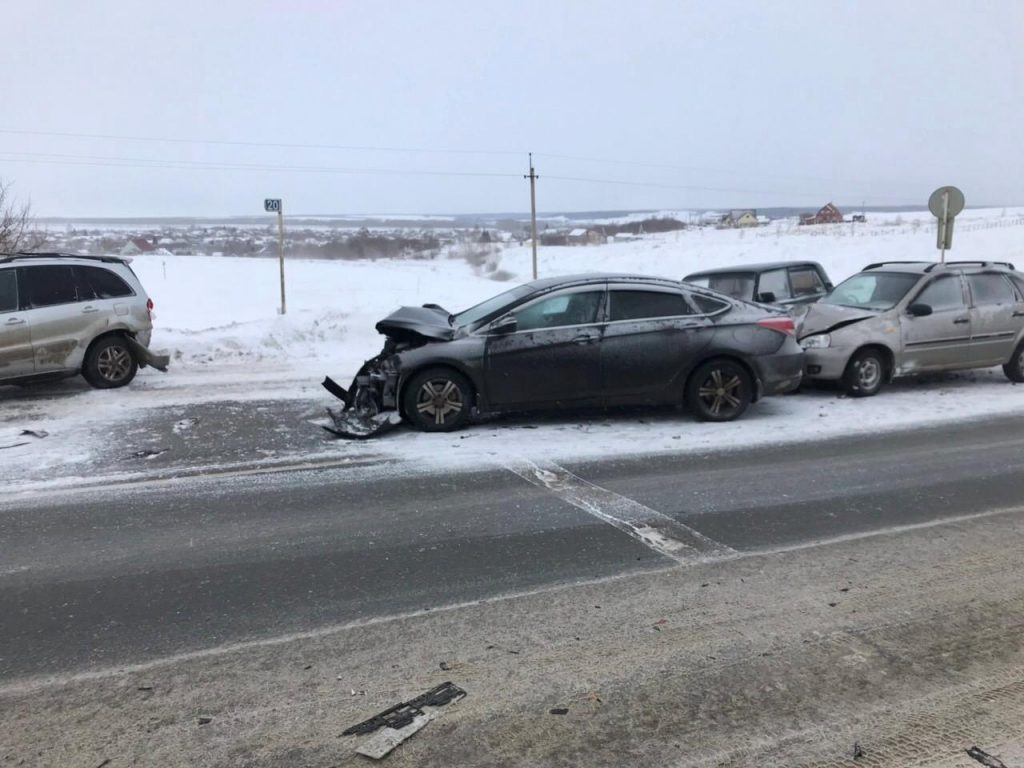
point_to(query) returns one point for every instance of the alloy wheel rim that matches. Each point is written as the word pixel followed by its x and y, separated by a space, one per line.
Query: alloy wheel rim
pixel 869 373
pixel 440 399
pixel 114 363
pixel 720 392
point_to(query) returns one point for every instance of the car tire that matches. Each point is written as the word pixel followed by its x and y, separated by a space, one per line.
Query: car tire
pixel 1014 369
pixel 109 363
pixel 719 390
pixel 864 374
pixel 438 400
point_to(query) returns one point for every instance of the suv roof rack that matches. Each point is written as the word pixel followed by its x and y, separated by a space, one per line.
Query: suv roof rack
pixel 8 257
pixel 973 262
pixel 878 264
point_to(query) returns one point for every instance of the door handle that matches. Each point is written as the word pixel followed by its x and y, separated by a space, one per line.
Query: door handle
pixel 90 310
pixel 961 321
pixel 14 321
pixel 1018 314
pixel 584 339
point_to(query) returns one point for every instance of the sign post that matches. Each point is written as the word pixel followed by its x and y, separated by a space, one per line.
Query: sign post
pixel 945 203
pixel 272 205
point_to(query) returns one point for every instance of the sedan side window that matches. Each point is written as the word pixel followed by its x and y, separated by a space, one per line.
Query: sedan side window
pixel 49 286
pixel 775 282
pixel 942 294
pixel 643 305
pixel 560 310
pixel 991 289
pixel 8 290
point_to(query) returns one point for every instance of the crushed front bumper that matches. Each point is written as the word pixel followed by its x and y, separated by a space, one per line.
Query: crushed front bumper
pixel 826 363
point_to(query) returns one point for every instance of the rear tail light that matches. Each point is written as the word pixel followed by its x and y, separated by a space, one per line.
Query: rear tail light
pixel 780 324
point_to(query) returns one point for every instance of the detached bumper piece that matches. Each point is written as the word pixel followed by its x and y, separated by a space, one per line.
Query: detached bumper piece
pixel 144 357
pixel 362 417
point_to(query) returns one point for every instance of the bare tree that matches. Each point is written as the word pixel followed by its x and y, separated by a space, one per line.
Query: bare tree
pixel 17 226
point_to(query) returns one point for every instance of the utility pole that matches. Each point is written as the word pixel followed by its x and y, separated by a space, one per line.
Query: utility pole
pixel 274 205
pixel 533 212
pixel 280 253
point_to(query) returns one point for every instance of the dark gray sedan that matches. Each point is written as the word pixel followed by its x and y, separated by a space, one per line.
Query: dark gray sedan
pixel 583 341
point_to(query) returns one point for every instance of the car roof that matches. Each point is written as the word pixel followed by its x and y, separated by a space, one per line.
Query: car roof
pixel 546 283
pixel 6 258
pixel 763 266
pixel 925 267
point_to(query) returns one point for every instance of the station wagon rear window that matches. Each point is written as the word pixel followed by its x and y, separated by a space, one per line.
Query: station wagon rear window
pixel 8 290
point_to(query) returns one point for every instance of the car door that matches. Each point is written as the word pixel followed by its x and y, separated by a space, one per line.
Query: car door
pixel 996 317
pixel 652 334
pixel 552 357
pixel 16 358
pixel 941 339
pixel 54 298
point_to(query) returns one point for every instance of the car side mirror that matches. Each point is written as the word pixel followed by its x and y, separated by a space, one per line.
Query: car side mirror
pixel 828 286
pixel 919 310
pixel 767 297
pixel 506 324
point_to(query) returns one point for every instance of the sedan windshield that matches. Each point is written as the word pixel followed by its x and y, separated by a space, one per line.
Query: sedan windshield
pixel 872 290
pixel 493 305
pixel 739 285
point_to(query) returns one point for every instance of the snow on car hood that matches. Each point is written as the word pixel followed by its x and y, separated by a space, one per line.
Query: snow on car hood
pixel 406 323
pixel 824 318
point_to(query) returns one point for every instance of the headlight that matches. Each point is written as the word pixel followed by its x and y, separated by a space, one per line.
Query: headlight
pixel 820 341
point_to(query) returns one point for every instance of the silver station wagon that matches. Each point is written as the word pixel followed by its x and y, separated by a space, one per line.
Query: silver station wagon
pixel 899 318
pixel 64 315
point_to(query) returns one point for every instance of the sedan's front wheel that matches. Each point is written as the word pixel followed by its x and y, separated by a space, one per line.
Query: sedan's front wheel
pixel 720 390
pixel 438 400
pixel 865 374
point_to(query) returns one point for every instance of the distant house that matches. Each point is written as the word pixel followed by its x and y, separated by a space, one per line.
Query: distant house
pixel 828 214
pixel 137 245
pixel 624 237
pixel 582 236
pixel 739 219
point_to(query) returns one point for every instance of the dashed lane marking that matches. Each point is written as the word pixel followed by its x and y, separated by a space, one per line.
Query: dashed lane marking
pixel 658 531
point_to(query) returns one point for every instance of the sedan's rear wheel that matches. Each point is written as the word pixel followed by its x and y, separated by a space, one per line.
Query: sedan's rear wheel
pixel 720 390
pixel 1014 369
pixel 438 400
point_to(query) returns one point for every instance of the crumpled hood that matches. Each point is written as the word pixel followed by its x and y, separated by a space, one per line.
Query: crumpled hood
pixel 824 318
pixel 429 322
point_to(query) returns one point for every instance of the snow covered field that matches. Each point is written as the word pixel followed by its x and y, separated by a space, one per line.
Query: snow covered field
pixel 218 318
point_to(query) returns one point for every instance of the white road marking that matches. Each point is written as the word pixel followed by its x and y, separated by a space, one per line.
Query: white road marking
pixel 658 531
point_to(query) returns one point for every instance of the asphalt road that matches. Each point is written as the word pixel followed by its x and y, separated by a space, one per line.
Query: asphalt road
pixel 108 577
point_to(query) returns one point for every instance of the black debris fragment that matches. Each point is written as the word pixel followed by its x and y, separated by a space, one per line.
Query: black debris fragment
pixel 832 605
pixel 144 688
pixel 12 445
pixel 40 433
pixel 104 763
pixel 149 453
pixel 560 711
pixel 985 758
pixel 204 720
pixel 404 713
pixel 858 753
pixel 445 666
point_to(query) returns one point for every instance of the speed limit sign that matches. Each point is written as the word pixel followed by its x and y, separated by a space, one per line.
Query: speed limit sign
pixel 272 205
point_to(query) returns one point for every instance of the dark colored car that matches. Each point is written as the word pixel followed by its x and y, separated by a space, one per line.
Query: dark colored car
pixel 786 283
pixel 591 340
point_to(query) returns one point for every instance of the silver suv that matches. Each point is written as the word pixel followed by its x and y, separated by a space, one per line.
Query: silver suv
pixel 899 318
pixel 63 315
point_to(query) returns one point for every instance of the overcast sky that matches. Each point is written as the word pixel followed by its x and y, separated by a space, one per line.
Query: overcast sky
pixel 626 105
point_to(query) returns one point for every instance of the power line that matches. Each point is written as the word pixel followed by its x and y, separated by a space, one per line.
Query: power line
pixel 653 164
pixel 267 144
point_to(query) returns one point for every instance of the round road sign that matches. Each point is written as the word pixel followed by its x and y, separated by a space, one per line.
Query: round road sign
pixel 956 201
